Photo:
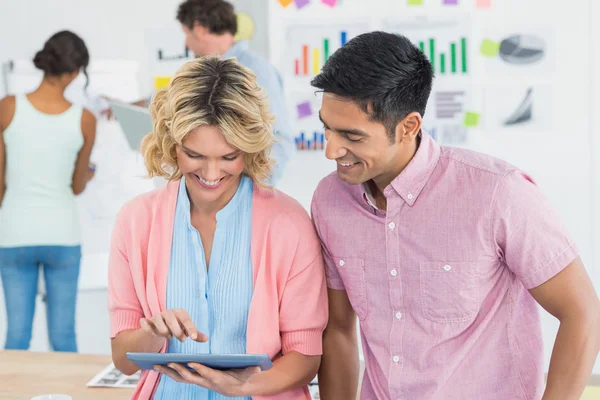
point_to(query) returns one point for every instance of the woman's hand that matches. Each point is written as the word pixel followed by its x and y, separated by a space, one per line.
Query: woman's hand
pixel 174 322
pixel 230 383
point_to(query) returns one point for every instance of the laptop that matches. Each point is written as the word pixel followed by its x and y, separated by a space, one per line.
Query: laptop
pixel 135 121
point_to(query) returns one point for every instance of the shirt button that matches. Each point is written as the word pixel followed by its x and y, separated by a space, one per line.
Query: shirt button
pixel 342 263
pixel 392 225
pixel 396 359
pixel 447 267
pixel 398 315
pixel 394 272
pixel 410 196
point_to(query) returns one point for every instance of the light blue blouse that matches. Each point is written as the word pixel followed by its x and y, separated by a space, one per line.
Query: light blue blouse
pixel 217 298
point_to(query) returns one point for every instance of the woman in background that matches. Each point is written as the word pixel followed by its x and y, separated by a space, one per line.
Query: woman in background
pixel 45 146
pixel 216 262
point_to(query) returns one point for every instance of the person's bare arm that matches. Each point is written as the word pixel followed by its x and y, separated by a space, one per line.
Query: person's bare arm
pixel 133 340
pixel 151 336
pixel 82 173
pixel 2 167
pixel 570 297
pixel 340 366
pixel 7 112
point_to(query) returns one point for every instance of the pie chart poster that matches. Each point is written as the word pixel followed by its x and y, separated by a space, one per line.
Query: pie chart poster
pixel 525 51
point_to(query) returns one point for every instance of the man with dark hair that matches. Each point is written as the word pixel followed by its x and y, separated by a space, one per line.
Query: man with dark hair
pixel 442 253
pixel 210 27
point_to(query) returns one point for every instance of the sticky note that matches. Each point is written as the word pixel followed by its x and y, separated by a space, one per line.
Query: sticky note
pixel 285 3
pixel 161 82
pixel 451 2
pixel 489 48
pixel 330 3
pixel 591 393
pixel 304 110
pixel 415 2
pixel 245 27
pixel 483 4
pixel 471 119
pixel 301 3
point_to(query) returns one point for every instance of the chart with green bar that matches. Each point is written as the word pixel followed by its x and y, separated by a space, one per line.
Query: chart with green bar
pixel 453 60
pixel 308 47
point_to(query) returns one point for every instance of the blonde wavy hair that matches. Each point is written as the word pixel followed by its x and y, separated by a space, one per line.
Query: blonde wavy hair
pixel 210 91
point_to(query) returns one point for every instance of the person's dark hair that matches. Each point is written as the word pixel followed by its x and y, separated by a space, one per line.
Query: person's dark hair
pixel 217 16
pixel 384 73
pixel 63 53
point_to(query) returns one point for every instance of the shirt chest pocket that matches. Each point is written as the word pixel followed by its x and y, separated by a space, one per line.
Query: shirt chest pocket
pixel 352 272
pixel 449 291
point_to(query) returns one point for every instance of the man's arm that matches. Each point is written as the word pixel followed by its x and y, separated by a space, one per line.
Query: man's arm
pixel 571 298
pixel 339 372
pixel 284 147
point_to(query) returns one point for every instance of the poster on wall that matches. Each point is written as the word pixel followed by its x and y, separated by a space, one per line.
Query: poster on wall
pixel 166 51
pixel 518 51
pixel 518 107
pixel 446 42
pixel 303 109
pixel 309 46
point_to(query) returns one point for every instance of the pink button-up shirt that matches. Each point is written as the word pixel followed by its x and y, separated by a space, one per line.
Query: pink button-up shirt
pixel 440 280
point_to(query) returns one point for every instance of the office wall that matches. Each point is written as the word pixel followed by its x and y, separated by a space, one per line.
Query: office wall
pixel 112 29
pixel 558 145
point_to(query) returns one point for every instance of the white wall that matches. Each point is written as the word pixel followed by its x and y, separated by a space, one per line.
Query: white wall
pixel 112 29
pixel 563 156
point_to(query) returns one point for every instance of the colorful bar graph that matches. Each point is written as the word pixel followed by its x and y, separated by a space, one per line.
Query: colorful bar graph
pixel 313 58
pixel 317 142
pixel 463 48
pixel 305 59
pixel 446 62
pixel 453 57
pixel 443 63
pixel 316 61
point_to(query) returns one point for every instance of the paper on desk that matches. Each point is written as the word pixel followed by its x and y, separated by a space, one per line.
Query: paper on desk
pixel 112 377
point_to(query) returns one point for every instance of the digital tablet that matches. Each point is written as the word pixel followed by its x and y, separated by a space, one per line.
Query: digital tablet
pixel 135 121
pixel 214 361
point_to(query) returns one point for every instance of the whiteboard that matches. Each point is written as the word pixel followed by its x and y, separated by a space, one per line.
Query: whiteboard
pixel 557 144
pixel 120 172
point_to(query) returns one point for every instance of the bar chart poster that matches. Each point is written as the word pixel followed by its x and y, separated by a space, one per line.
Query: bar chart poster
pixel 446 43
pixel 303 108
pixel 310 46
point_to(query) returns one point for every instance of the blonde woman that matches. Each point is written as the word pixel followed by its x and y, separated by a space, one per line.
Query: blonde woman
pixel 216 262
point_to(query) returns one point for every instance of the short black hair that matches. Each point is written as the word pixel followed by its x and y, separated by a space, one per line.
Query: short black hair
pixel 384 73
pixel 63 53
pixel 218 16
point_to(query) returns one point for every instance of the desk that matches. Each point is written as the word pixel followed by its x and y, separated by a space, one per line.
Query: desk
pixel 26 374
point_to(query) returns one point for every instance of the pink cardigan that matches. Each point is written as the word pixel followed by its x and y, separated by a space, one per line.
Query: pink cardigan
pixel 288 311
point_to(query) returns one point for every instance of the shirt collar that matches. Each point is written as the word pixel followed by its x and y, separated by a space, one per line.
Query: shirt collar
pixel 413 178
pixel 244 189
pixel 238 48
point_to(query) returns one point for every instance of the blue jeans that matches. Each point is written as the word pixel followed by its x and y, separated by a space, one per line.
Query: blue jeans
pixel 19 269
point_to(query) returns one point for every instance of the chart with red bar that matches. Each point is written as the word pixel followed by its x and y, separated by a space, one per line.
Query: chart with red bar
pixel 309 47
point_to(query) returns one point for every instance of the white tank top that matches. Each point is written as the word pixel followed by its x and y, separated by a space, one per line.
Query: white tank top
pixel 39 205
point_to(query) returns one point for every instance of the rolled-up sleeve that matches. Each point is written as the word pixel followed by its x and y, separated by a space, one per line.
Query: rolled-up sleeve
pixel 124 308
pixel 527 232
pixel 304 306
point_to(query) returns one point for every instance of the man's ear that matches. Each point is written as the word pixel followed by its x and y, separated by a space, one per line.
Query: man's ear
pixel 408 129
